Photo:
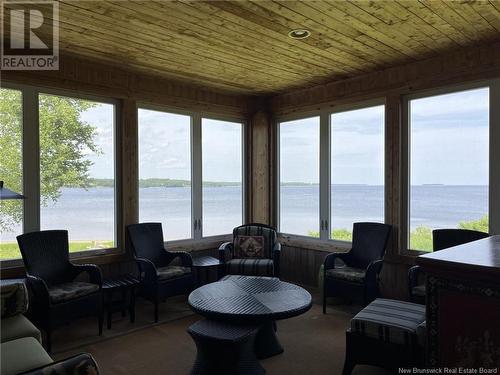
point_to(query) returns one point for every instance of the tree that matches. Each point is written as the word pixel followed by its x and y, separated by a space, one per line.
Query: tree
pixel 65 140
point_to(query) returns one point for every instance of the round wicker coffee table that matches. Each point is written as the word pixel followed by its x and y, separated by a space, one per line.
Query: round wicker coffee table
pixel 250 300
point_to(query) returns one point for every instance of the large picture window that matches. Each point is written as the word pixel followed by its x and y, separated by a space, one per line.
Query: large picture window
pixel 449 164
pixel 357 169
pixel 190 174
pixel 165 172
pixel 11 170
pixel 77 170
pixel 299 176
pixel 331 172
pixel 222 176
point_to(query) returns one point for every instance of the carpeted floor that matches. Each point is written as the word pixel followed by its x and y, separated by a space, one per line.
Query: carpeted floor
pixel 314 343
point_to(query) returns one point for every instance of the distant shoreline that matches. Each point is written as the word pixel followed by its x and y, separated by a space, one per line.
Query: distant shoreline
pixel 168 183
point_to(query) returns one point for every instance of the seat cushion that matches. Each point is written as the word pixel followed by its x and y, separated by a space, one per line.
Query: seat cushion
pixel 250 267
pixel 68 291
pixel 347 273
pixel 418 290
pixel 18 326
pixel 389 320
pixel 170 272
pixel 22 355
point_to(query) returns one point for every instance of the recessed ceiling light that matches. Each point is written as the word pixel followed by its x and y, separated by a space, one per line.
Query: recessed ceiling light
pixel 299 34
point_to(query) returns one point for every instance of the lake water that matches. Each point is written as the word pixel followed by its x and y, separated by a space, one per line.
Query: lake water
pixel 89 214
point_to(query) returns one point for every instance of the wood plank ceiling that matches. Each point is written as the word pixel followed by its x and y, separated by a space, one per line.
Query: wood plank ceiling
pixel 243 47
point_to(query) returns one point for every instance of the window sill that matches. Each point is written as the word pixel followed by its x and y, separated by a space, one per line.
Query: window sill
pixel 205 243
pixel 309 243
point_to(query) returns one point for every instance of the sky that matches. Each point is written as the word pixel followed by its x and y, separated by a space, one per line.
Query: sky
pixel 449 144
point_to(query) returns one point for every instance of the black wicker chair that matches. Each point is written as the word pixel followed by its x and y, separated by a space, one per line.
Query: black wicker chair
pixel 441 239
pixel 357 279
pixel 58 298
pixel 254 251
pixel 159 278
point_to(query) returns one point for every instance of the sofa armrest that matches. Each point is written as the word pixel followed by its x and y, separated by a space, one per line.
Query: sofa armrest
pixel 225 251
pixel 14 298
pixel 80 364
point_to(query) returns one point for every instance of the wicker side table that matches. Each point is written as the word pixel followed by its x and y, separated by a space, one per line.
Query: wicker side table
pixel 224 348
pixel 125 285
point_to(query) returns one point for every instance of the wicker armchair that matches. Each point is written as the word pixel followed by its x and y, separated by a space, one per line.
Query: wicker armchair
pixel 58 298
pixel 441 239
pixel 358 278
pixel 159 278
pixel 254 251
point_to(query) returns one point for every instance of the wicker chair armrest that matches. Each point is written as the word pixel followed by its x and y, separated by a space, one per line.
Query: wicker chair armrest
pixel 82 363
pixel 225 251
pixel 185 257
pixel 147 269
pixel 373 270
pixel 40 289
pixel 92 270
pixel 329 262
pixel 413 276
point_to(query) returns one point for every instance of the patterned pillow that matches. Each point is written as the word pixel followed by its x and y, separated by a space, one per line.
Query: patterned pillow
pixel 250 247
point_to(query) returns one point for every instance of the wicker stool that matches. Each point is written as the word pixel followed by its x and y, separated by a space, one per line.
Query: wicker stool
pixel 386 333
pixel 224 349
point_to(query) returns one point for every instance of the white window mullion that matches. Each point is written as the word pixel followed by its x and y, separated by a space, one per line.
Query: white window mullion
pixel 31 161
pixel 196 178
pixel 324 176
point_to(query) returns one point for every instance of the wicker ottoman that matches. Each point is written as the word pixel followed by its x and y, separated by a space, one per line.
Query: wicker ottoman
pixel 386 333
pixel 224 349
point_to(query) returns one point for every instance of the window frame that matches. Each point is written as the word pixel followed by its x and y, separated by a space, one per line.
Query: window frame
pixel 31 163
pixel 324 155
pixel 405 152
pixel 196 168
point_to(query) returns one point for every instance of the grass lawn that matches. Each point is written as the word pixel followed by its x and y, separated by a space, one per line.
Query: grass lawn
pixel 10 250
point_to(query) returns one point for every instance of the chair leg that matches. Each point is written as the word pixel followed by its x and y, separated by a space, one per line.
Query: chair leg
pixel 100 319
pixel 348 362
pixel 48 336
pixel 324 298
pixel 156 311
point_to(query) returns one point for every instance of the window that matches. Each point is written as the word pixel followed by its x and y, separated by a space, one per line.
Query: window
pixel 222 176
pixel 11 170
pixel 190 174
pixel 357 169
pixel 449 164
pixel 77 170
pixel 165 172
pixel 299 176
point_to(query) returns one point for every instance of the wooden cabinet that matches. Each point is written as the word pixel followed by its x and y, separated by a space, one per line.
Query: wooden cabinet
pixel 463 305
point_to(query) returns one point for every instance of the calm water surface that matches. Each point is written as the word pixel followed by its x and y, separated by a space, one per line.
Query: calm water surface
pixel 89 214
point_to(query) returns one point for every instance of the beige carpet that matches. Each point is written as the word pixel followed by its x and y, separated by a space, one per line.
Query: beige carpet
pixel 314 343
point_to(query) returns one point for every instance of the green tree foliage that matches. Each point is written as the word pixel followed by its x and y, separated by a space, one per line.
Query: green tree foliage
pixel 420 237
pixel 481 225
pixel 65 140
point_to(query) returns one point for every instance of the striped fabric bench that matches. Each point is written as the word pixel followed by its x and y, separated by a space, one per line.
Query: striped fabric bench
pixel 386 333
